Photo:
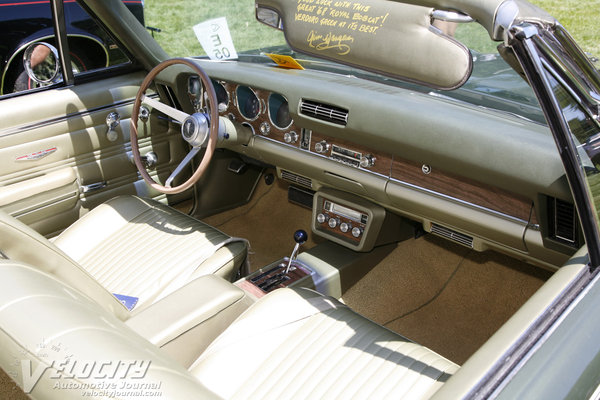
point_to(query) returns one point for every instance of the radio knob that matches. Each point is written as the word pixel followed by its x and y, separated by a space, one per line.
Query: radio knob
pixel 367 161
pixel 321 147
pixel 333 222
pixel 290 137
pixel 345 227
pixel 356 231
pixel 321 218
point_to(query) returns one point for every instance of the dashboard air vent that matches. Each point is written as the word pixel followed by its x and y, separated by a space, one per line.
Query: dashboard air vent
pixel 325 112
pixel 295 178
pixel 460 238
pixel 563 221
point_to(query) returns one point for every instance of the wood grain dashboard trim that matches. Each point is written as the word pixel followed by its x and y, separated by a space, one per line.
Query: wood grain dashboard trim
pixel 463 189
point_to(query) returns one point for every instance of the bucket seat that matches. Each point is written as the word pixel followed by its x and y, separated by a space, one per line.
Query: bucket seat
pixel 59 343
pixel 138 249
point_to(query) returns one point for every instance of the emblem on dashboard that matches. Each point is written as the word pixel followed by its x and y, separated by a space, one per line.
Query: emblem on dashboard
pixel 37 155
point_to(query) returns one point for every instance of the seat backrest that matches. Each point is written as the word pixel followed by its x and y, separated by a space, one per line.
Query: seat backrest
pixel 19 242
pixel 57 343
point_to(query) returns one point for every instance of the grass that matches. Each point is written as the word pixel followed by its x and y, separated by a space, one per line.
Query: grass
pixel 176 17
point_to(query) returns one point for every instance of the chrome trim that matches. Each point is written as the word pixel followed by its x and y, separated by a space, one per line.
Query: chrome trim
pixel 451 16
pixel 37 155
pixel 22 47
pixel 508 217
pixel 92 187
pixel 42 123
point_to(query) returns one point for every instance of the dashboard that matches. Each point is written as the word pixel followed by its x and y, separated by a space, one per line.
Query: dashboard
pixel 478 177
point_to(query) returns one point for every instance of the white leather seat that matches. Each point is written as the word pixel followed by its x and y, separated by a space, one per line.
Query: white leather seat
pixel 298 344
pixel 290 344
pixel 130 246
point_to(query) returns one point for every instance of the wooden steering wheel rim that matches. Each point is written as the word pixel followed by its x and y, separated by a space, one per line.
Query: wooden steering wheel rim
pixel 214 126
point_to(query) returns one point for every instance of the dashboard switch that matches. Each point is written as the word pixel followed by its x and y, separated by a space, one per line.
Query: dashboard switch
pixel 321 218
pixel 290 137
pixel 345 227
pixel 367 161
pixel 357 232
pixel 321 147
pixel 333 222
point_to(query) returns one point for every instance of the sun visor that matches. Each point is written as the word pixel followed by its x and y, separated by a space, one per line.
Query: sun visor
pixel 382 36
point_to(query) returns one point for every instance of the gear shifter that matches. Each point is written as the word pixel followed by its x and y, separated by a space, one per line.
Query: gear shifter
pixel 300 237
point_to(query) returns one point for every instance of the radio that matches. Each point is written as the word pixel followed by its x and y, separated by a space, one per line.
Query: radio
pixel 345 156
pixel 341 220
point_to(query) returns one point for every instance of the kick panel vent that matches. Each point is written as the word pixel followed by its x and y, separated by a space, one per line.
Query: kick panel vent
pixel 325 112
pixel 465 240
pixel 295 178
pixel 563 221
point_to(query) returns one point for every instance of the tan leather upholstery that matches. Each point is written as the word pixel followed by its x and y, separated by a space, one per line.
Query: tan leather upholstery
pixel 298 344
pixel 60 330
pixel 290 344
pixel 20 242
pixel 141 248
pixel 129 246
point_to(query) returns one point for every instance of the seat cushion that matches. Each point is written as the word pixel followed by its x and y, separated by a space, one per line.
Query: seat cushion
pixel 69 347
pixel 141 248
pixel 299 344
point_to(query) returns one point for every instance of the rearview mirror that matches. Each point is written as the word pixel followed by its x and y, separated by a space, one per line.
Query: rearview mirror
pixel 41 63
pixel 382 36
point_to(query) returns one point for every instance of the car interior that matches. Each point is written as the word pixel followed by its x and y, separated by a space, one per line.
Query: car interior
pixel 347 238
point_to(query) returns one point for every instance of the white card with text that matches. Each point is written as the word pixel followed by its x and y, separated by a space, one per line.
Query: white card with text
pixel 215 38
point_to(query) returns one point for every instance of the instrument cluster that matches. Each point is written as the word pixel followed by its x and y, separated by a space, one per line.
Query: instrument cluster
pixel 266 113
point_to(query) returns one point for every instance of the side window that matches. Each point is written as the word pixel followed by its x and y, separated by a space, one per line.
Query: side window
pixel 90 46
pixel 23 22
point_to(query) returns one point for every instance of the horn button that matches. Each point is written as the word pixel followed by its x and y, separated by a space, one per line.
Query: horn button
pixel 195 129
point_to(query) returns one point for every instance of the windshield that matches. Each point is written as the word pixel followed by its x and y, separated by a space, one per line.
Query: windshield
pixel 228 29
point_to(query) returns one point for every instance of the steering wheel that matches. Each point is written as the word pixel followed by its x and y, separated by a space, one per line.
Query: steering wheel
pixel 195 128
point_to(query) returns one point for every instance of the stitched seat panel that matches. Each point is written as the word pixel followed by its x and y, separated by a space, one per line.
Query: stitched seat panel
pixel 148 252
pixel 318 354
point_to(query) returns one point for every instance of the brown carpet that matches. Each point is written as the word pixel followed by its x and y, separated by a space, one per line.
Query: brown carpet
pixel 444 296
pixel 9 389
pixel 268 221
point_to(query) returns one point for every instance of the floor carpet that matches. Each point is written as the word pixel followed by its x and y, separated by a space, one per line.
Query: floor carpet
pixel 444 296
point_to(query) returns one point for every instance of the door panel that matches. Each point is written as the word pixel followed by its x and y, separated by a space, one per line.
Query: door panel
pixel 57 161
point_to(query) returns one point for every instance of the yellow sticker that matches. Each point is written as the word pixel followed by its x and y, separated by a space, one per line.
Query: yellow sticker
pixel 285 61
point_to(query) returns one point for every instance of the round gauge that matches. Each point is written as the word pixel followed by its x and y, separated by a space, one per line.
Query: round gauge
pixel 248 103
pixel 279 111
pixel 222 96
pixel 194 86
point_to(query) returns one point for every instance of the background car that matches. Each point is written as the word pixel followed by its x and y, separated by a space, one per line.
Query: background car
pixel 24 22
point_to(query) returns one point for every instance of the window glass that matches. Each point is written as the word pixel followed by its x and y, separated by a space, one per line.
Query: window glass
pixel 21 22
pixel 585 135
pixel 90 47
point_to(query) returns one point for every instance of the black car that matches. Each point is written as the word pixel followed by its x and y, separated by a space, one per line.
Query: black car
pixel 24 22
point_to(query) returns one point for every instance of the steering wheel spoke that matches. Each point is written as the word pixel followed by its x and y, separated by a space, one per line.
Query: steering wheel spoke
pixel 174 113
pixel 195 128
pixel 181 166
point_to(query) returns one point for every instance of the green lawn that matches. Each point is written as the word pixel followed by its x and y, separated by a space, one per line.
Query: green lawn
pixel 176 18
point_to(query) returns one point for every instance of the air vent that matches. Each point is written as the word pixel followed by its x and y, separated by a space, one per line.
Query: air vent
pixel 324 112
pixel 452 235
pixel 295 178
pixel 563 221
